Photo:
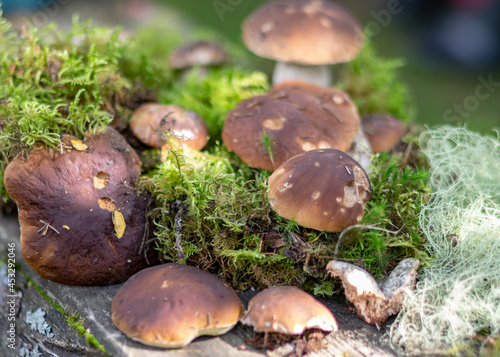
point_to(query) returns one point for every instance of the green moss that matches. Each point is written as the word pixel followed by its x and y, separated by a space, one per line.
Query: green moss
pixel 375 86
pixel 215 95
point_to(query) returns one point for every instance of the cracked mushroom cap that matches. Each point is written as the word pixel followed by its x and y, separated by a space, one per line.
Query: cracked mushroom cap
pixel 154 123
pixel 296 117
pixel 199 53
pixel 311 32
pixel 374 303
pixel 382 131
pixel 170 305
pixel 321 189
pixel 82 222
pixel 287 310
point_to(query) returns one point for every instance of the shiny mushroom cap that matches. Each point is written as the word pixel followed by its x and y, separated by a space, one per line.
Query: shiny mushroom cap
pixel 382 131
pixel 171 304
pixel 82 222
pixel 154 124
pixel 200 53
pixel 287 310
pixel 310 32
pixel 321 189
pixel 295 117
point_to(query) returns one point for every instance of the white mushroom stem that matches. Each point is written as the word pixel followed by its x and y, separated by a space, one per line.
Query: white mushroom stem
pixel 319 75
pixel 374 303
pixel 360 150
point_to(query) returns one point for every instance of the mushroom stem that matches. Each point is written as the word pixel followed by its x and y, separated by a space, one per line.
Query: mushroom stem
pixel 318 75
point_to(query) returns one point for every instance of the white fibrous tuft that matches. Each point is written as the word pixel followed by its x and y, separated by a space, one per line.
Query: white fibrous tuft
pixel 458 293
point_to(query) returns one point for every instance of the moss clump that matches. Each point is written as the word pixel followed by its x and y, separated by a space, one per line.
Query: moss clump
pixel 374 85
pixel 215 95
pixel 213 215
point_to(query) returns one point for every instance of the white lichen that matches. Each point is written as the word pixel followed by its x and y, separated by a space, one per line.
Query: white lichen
pixel 36 320
pixel 458 294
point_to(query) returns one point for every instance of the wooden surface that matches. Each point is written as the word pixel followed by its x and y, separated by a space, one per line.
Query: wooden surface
pixel 354 338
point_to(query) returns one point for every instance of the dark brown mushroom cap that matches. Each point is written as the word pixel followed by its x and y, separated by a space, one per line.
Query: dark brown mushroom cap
pixel 170 305
pixel 297 117
pixel 67 200
pixel 200 53
pixel 287 310
pixel 154 123
pixel 383 131
pixel 311 32
pixel 321 189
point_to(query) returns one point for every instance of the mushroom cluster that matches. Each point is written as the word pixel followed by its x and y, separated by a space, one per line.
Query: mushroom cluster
pixel 82 222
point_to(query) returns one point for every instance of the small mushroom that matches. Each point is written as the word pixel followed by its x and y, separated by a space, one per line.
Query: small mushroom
pixel 82 221
pixel 304 36
pixel 374 303
pixel 320 189
pixel 287 310
pixel 202 54
pixel 172 304
pixel 383 131
pixel 154 124
pixel 294 117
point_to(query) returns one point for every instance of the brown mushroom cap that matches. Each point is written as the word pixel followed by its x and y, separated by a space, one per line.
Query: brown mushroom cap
pixel 82 222
pixel 170 305
pixel 200 53
pixel 297 117
pixel 321 189
pixel 287 310
pixel 153 123
pixel 311 32
pixel 383 131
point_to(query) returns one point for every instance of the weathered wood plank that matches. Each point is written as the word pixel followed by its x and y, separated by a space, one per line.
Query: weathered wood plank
pixel 93 304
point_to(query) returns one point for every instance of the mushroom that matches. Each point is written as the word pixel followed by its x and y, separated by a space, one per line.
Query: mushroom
pixel 320 189
pixel 304 37
pixel 374 303
pixel 383 131
pixel 293 117
pixel 202 54
pixel 172 304
pixel 82 221
pixel 154 124
pixel 287 310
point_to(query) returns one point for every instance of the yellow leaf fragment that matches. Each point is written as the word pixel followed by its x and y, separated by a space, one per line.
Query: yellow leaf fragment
pixel 119 223
pixel 78 145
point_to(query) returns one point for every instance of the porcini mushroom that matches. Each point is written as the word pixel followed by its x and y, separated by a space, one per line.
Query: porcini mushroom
pixel 383 131
pixel 201 54
pixel 82 221
pixel 154 124
pixel 320 189
pixel 287 310
pixel 294 117
pixel 172 304
pixel 304 37
pixel 374 303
